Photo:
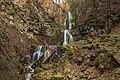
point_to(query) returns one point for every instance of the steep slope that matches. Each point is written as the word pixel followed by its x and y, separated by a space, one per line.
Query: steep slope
pixel 22 24
pixel 9 61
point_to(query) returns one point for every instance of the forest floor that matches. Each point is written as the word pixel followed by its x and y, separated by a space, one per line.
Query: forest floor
pixel 93 59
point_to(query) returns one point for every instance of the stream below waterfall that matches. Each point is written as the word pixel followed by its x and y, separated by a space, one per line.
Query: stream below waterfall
pixel 40 51
pixel 45 52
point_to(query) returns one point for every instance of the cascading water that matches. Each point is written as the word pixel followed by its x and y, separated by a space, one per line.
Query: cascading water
pixel 29 75
pixel 70 20
pixel 68 23
pixel 70 37
pixel 38 48
pixel 39 52
pixel 48 51
pixel 59 1
pixel 52 50
pixel 67 37
pixel 36 55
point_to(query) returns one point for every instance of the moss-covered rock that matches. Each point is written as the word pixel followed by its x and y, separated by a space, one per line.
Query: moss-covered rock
pixel 88 59
pixel 57 77
pixel 38 70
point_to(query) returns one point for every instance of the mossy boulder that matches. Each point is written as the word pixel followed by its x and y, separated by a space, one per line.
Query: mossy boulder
pixel 38 70
pixel 106 61
pixel 57 77
pixel 114 75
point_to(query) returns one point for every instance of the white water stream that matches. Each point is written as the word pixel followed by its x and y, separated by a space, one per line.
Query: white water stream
pixel 68 23
pixel 44 50
pixel 36 55
pixel 67 37
pixel 39 52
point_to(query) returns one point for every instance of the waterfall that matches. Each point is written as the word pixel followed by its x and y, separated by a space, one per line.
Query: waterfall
pixel 37 54
pixel 67 37
pixel 68 23
pixel 59 1
pixel 70 37
pixel 47 51
pixel 42 51
pixel 70 20
pixel 28 76
pixel 38 48
pixel 52 50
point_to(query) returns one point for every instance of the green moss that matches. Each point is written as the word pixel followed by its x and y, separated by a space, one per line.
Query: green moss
pixel 54 37
pixel 88 46
pixel 38 70
pixel 56 66
pixel 111 43
pixel 89 41
pixel 83 79
pixel 102 65
pixel 63 48
pixel 34 45
pixel 66 70
pixel 100 78
pixel 38 79
pixel 57 77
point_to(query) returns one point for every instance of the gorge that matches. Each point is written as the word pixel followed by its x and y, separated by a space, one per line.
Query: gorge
pixel 59 39
pixel 44 52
